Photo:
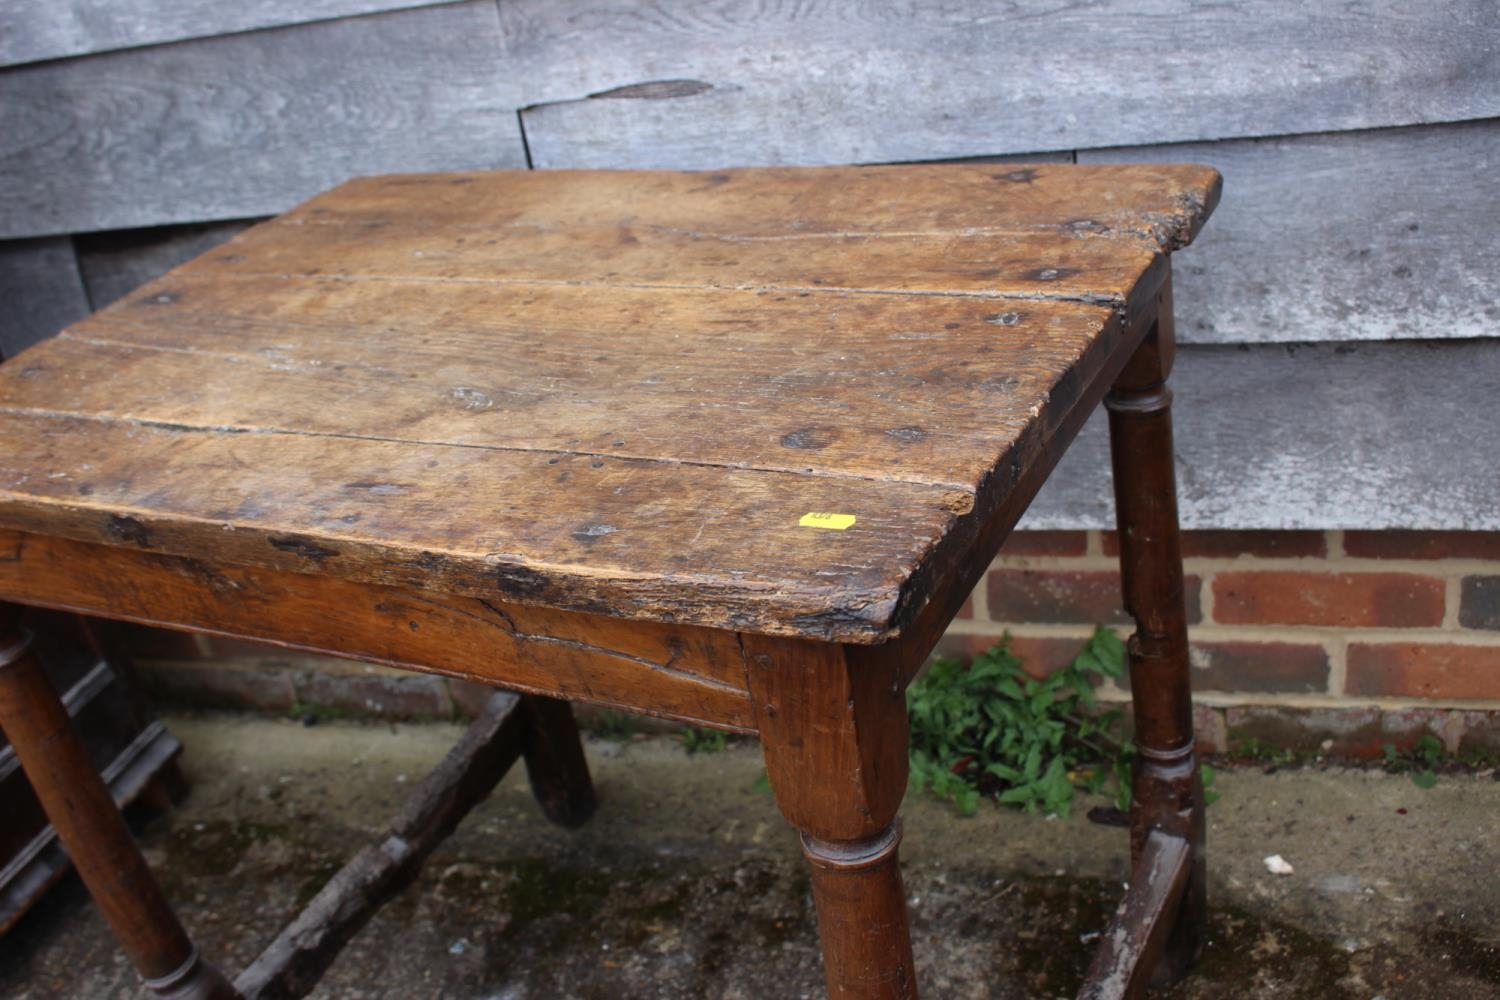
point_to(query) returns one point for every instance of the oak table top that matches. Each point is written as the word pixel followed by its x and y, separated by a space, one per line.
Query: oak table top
pixel 726 447
pixel 619 393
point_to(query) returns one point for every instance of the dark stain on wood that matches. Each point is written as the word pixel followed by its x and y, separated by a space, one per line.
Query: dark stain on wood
pixel 1023 175
pixel 301 547
pixel 128 529
pixel 811 438
pixel 1000 383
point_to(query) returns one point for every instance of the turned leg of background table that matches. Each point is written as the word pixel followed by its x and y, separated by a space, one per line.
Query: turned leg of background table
pixel 833 730
pixel 91 828
pixel 1167 794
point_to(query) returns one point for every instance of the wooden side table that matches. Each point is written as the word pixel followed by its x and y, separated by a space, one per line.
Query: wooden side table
pixel 724 447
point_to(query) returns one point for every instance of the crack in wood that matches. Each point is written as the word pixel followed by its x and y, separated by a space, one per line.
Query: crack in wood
pixel 521 636
pixel 177 427
pixel 759 288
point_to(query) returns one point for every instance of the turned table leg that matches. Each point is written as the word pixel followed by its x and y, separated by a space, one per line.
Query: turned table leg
pixel 833 730
pixel 91 828
pixel 1167 797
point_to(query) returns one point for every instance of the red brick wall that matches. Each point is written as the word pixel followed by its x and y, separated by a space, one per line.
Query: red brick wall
pixel 1357 637
pixel 1335 640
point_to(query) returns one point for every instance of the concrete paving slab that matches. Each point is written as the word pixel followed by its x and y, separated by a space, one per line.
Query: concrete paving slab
pixel 687 884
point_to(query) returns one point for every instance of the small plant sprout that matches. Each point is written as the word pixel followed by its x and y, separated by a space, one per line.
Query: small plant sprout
pixel 1420 761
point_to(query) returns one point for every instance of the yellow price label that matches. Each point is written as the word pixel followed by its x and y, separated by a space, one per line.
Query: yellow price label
pixel 823 519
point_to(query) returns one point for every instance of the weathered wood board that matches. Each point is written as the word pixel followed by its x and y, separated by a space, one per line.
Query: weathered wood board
pixel 1376 435
pixel 1354 236
pixel 719 83
pixel 501 386
pixel 698 673
pixel 40 291
pixel 114 264
pixel 55 29
pixel 251 124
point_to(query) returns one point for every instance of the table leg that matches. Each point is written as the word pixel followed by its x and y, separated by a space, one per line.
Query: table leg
pixel 833 730
pixel 1167 793
pixel 90 827
pixel 554 761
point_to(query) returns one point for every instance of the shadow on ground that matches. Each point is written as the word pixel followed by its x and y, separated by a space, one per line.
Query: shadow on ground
pixel 687 884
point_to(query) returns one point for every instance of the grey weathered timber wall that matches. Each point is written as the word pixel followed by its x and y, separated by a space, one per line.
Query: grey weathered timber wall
pixel 40 290
pixel 1358 142
pixel 250 124
pixel 54 29
pixel 1387 435
pixel 1371 235
pixel 702 84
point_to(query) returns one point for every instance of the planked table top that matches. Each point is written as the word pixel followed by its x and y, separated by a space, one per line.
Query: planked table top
pixel 613 392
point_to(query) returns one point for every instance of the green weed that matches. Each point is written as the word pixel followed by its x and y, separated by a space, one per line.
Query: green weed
pixel 992 730
pixel 695 740
pixel 613 725
pixel 1420 761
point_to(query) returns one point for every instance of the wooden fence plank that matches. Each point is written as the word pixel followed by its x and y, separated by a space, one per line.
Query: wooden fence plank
pixel 1353 236
pixel 251 124
pixel 59 28
pixel 40 291
pixel 114 264
pixel 720 83
pixel 1375 435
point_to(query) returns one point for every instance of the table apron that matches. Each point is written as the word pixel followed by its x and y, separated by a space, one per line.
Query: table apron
pixel 675 671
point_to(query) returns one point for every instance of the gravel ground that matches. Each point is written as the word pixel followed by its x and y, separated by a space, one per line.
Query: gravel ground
pixel 688 884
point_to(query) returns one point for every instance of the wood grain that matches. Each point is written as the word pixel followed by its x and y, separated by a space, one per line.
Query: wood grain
pixel 61 28
pixel 671 670
pixel 40 292
pixel 1166 203
pixel 688 542
pixel 91 829
pixel 1315 435
pixel 250 124
pixel 1132 945
pixel 1367 236
pixel 567 414
pixel 832 725
pixel 903 388
pixel 715 83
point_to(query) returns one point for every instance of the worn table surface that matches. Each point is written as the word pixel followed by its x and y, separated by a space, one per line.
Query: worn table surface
pixel 608 392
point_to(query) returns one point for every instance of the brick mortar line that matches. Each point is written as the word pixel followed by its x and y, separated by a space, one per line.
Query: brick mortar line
pixel 1311 634
pixel 980 595
pixel 1452 596
pixel 1337 647
pixel 1238 699
pixel 1443 568
pixel 1334 539
pixel 1206 603
pixel 1039 630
